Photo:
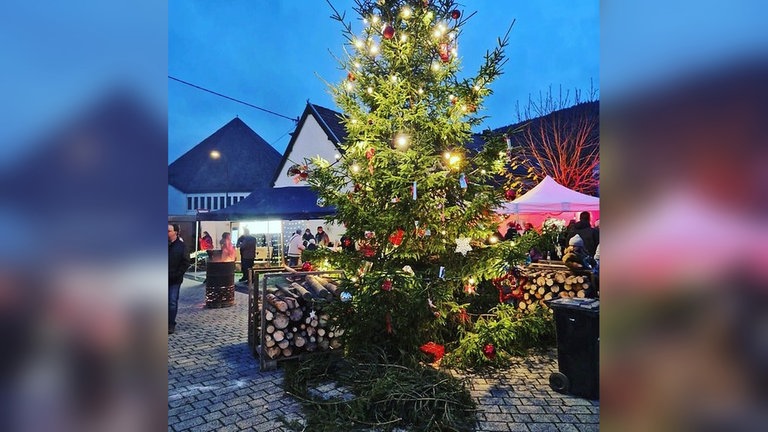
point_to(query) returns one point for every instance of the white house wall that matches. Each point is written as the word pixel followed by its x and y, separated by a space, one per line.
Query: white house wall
pixel 310 143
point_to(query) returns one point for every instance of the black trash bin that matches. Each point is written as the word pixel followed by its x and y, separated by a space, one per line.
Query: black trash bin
pixel 578 347
pixel 220 284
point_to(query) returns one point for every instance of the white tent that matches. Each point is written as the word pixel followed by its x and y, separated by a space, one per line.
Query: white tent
pixel 549 199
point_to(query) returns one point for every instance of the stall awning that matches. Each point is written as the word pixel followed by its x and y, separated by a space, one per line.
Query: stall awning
pixel 286 203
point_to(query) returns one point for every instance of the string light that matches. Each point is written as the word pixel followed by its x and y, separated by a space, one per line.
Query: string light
pixel 435 66
pixel 406 12
pixel 374 49
pixel 375 19
pixel 454 159
pixel 403 37
pixel 493 239
pixel 401 140
pixel 349 86
pixel 370 90
pixel 471 281
pixel 358 43
pixel 358 65
pixel 393 78
pixel 337 156
pixel 477 87
pixel 447 155
pixel 421 91
pixel 355 168
pixel 482 171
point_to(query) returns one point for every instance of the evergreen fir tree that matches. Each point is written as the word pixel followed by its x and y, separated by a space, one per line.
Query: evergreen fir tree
pixel 407 189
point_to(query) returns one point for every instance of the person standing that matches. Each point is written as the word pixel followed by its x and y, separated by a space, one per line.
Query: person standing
pixel 589 235
pixel 178 262
pixel 206 242
pixel 247 245
pixel 321 238
pixel 295 246
pixel 307 236
pixel 227 250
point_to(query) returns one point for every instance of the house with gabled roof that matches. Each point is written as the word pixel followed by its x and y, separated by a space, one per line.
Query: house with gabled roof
pixel 197 181
pixel 319 133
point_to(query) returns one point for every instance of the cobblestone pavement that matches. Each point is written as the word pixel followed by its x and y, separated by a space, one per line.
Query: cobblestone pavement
pixel 214 383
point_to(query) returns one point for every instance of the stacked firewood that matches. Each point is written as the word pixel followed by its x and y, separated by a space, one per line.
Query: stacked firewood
pixel 541 283
pixel 294 321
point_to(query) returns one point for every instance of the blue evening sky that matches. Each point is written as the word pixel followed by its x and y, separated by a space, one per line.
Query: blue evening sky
pixel 273 54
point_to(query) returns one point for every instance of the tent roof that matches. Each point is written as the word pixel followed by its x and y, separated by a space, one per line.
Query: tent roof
pixel 551 197
pixel 284 203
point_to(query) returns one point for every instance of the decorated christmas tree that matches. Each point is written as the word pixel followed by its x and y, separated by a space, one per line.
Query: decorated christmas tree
pixel 417 203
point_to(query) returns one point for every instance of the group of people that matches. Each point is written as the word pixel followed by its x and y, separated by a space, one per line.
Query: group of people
pixel 307 241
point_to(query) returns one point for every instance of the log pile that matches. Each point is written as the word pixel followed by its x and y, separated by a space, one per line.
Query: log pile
pixel 541 283
pixel 294 322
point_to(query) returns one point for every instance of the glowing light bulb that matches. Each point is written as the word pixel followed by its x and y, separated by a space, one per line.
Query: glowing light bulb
pixel 406 12
pixel 393 78
pixel 354 121
pixel 421 91
pixel 355 168
pixel 374 49
pixel 365 20
pixel 483 171
pixel 375 19
pixel 471 281
pixel 349 86
pixel 435 66
pixel 436 34
pixel 454 159
pixel 452 35
pixel 353 279
pixel 370 90
pixel 401 140
pixel 358 65
pixel 403 37
pixel 451 97
pixel 447 155
pixel 358 43
pixel 477 87
pixel 337 156
pixel 455 52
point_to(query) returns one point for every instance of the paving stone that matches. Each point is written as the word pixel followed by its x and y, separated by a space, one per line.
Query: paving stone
pixel 567 427
pixel 205 427
pixel 493 426
pixel 531 409
pixel 544 418
pixel 588 418
pixel 543 427
pixel 194 413
pixel 518 427
pixel 568 418
pixel 588 427
pixel 188 424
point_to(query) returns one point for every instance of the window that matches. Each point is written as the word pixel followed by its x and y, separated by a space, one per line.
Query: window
pixel 197 203
pixel 189 203
pixel 229 201
pixel 221 202
pixel 208 201
pixel 215 204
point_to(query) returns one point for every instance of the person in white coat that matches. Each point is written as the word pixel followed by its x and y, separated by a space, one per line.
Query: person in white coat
pixel 295 246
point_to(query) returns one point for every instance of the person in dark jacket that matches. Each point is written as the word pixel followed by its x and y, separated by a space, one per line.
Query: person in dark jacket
pixel 247 245
pixel 590 235
pixel 307 236
pixel 178 262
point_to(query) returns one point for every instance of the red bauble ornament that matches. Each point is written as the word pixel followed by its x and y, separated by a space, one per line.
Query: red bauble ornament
pixel 445 52
pixel 490 351
pixel 388 32
pixel 455 14
pixel 357 187
pixel 307 266
pixel 510 195
pixel 368 251
pixel 369 153
pixel 386 285
pixel 346 242
pixel 350 76
pixel 397 238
